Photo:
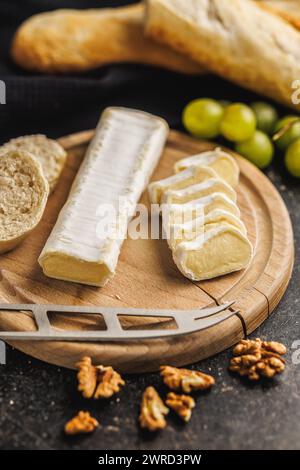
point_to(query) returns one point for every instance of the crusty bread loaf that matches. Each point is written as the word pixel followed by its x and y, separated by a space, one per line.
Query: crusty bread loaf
pixel 71 40
pixel 78 40
pixel 287 9
pixel 23 195
pixel 236 39
pixel 48 152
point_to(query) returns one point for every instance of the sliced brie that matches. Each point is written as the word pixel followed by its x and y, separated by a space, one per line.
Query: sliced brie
pixel 191 176
pixel 196 191
pixel 118 164
pixel 222 249
pixel 224 164
pixel 188 231
pixel 179 213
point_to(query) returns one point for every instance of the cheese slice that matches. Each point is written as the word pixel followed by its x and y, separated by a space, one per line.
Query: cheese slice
pixel 192 175
pixel 196 191
pixel 188 231
pixel 118 164
pixel 222 249
pixel 224 165
pixel 179 213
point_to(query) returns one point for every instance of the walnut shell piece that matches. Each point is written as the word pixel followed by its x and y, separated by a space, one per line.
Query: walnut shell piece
pixel 255 359
pixel 153 411
pixel 186 380
pixel 109 382
pixel 181 404
pixel 83 423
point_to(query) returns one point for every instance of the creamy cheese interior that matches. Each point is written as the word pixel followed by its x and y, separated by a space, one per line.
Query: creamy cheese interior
pixel 178 213
pixel 191 176
pixel 223 249
pixel 221 162
pixel 197 191
pixel 181 232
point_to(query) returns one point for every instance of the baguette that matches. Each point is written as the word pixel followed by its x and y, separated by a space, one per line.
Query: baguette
pixel 79 40
pixel 48 152
pixel 236 39
pixel 23 195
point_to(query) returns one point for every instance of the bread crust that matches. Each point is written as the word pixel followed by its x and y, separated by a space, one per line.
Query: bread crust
pixel 38 183
pixel 50 42
pixel 237 40
pixel 289 10
pixel 78 40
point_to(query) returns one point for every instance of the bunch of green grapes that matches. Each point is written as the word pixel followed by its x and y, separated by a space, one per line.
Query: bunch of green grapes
pixel 250 128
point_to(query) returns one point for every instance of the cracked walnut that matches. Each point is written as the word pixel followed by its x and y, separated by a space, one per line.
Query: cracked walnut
pixel 186 380
pixel 153 411
pixel 181 404
pixel 83 423
pixel 257 358
pixel 97 381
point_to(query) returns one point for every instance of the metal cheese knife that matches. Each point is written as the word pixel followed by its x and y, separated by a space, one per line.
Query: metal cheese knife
pixel 187 321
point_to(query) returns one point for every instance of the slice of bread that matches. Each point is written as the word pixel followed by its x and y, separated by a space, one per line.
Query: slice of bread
pixel 48 152
pixel 23 196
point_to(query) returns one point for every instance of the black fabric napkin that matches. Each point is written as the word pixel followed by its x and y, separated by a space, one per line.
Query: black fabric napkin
pixel 57 105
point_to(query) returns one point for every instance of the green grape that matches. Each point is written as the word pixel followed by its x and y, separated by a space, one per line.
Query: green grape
pixel 258 149
pixel 238 123
pixel 202 118
pixel 292 158
pixel 266 116
pixel 290 135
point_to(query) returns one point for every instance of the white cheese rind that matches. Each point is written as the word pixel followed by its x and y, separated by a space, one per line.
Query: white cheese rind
pixel 221 162
pixel 119 163
pixel 192 209
pixel 192 175
pixel 196 191
pixel 221 250
pixel 188 231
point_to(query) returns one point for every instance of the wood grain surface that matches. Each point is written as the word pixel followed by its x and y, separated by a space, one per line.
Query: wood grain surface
pixel 147 277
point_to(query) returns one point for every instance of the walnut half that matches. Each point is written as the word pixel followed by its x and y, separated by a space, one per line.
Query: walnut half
pixel 87 377
pixel 153 411
pixel 83 423
pixel 97 381
pixel 181 404
pixel 109 382
pixel 185 379
pixel 255 359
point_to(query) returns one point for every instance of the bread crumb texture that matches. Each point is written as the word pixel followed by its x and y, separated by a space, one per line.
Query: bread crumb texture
pixel 23 196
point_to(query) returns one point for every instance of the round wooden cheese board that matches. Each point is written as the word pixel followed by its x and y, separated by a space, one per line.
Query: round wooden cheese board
pixel 146 277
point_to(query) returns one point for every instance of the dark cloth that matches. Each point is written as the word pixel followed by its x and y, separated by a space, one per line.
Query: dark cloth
pixel 57 105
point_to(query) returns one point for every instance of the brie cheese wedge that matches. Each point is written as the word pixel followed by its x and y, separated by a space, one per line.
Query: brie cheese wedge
pixel 196 191
pixel 222 249
pixel 224 165
pixel 191 176
pixel 188 231
pixel 117 167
